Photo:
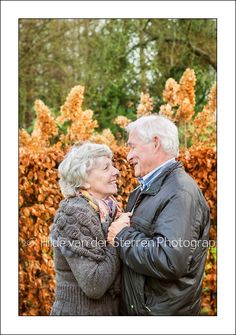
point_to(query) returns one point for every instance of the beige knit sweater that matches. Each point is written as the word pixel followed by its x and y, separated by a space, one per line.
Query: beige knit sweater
pixel 87 267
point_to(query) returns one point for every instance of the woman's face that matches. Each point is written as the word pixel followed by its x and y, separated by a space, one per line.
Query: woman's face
pixel 101 181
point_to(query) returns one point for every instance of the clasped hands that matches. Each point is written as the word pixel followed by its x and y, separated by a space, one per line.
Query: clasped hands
pixel 117 225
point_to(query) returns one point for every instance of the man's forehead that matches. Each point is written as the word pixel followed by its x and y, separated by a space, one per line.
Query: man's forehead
pixel 131 140
pixel 133 134
pixel 133 137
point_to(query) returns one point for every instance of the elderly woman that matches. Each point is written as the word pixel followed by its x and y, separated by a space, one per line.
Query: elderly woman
pixel 87 267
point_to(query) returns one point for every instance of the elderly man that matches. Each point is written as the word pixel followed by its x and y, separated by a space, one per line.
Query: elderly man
pixel 165 247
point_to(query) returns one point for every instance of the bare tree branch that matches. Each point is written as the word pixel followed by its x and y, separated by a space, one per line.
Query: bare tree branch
pixel 203 54
pixel 197 51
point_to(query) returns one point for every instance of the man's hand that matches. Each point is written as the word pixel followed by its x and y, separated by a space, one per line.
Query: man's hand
pixel 117 226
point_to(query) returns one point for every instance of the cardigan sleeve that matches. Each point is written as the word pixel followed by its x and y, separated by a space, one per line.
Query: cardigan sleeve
pixel 77 232
pixel 93 277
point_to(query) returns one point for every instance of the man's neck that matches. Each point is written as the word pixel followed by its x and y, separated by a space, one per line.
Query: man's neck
pixel 160 161
pixel 157 167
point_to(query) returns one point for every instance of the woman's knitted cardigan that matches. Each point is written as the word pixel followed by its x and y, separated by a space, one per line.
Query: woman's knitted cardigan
pixel 87 267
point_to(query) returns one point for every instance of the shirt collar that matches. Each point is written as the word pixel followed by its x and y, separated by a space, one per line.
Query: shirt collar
pixel 148 178
pixel 159 168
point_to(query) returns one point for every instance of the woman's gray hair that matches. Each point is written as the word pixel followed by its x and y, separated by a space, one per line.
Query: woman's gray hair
pixel 155 125
pixel 73 170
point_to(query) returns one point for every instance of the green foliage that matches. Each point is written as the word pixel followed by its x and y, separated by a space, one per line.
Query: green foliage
pixel 114 59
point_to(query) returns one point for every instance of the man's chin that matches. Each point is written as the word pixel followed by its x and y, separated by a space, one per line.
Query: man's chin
pixel 137 174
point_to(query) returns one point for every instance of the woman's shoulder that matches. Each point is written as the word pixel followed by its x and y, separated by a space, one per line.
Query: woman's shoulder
pixel 76 211
pixel 75 220
pixel 74 201
pixel 74 205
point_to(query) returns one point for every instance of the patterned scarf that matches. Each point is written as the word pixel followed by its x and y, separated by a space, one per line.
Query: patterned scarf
pixel 108 208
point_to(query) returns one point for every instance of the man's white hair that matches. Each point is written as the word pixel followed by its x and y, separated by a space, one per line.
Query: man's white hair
pixel 74 169
pixel 155 125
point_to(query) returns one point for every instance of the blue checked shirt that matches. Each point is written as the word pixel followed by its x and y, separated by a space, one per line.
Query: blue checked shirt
pixel 147 180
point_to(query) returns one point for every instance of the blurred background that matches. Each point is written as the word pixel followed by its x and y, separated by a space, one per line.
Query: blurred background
pixel 115 59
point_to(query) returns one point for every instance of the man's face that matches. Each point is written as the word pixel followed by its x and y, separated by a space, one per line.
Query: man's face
pixel 141 154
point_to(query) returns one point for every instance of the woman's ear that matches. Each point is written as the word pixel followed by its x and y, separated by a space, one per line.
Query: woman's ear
pixel 85 186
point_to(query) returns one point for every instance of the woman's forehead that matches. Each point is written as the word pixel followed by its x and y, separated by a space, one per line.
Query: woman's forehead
pixel 103 160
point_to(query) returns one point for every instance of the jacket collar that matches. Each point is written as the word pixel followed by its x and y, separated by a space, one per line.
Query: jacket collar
pixel 158 181
pixel 154 187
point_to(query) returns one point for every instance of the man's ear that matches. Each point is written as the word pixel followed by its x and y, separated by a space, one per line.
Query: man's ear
pixel 157 142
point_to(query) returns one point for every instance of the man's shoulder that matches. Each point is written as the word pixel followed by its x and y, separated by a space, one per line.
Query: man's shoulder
pixel 181 182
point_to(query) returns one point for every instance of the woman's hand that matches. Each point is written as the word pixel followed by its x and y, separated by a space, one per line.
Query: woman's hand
pixel 123 218
pixel 117 226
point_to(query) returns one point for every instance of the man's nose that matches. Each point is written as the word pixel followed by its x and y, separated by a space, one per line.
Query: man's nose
pixel 130 156
pixel 115 171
